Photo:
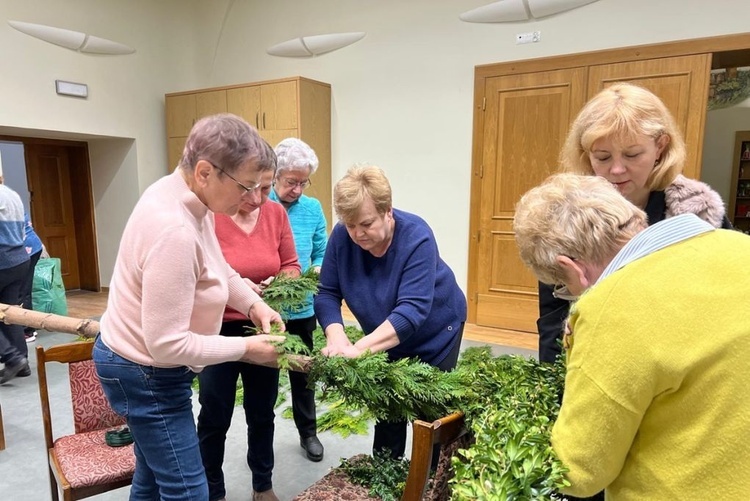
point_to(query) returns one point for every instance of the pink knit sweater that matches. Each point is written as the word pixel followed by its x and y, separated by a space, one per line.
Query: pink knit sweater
pixel 171 284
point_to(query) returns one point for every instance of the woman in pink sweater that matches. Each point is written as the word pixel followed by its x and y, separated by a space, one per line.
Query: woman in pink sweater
pixel 167 296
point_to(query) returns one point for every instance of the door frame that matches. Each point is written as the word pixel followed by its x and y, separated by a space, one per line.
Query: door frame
pixel 724 50
pixel 83 205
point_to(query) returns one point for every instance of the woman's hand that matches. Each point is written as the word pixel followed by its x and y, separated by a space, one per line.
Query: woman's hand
pixel 253 286
pixel 261 349
pixel 263 316
pixel 265 283
pixel 337 342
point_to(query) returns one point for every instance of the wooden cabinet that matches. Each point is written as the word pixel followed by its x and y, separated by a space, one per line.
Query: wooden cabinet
pixel 290 107
pixel 183 110
pixel 739 197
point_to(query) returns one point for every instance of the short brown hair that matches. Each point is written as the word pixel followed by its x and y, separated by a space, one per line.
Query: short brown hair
pixel 226 141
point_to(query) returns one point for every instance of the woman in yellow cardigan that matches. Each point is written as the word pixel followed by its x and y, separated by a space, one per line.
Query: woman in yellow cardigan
pixel 656 404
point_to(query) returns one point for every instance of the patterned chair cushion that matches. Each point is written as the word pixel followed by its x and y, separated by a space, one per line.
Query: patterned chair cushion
pixel 85 459
pixel 336 486
pixel 91 410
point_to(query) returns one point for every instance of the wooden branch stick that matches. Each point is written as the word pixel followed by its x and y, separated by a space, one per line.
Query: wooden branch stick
pixel 89 328
pixel 16 315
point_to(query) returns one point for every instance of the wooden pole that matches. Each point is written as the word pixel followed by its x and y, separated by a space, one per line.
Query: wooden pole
pixel 89 328
pixel 15 315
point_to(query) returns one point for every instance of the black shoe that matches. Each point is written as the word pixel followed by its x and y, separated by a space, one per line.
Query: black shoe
pixel 12 371
pixel 313 448
pixel 25 372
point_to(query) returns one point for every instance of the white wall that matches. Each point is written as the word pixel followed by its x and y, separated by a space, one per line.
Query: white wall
pixel 126 93
pixel 402 97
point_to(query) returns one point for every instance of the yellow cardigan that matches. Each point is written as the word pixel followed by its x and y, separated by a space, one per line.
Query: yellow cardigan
pixel 657 398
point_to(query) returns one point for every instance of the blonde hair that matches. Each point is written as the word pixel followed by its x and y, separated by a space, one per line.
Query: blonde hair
pixel 359 183
pixel 582 217
pixel 623 111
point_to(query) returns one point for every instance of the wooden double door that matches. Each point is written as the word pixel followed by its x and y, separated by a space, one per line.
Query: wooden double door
pixel 520 123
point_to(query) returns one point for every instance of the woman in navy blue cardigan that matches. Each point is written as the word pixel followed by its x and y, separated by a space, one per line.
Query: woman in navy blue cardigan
pixel 385 264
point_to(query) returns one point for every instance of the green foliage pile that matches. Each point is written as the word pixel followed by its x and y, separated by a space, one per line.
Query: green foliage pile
pixel 385 477
pixel 510 406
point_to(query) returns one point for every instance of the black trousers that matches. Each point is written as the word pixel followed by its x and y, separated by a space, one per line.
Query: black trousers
pixel 27 287
pixel 391 435
pixel 303 398
pixel 12 342
pixel 218 387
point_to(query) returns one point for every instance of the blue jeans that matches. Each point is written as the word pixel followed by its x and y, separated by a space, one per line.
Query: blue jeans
pixel 158 408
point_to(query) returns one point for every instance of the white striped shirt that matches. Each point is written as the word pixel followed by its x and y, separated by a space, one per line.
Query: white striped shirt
pixel 656 237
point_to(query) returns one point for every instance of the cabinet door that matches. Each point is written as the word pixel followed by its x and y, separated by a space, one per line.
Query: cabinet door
pixel 210 103
pixel 278 103
pixel 180 114
pixel 175 146
pixel 525 123
pixel 245 102
pixel 681 82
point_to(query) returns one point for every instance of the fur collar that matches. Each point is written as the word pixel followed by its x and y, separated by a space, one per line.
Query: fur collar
pixel 688 196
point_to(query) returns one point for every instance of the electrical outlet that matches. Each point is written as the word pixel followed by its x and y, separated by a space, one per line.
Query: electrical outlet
pixel 530 37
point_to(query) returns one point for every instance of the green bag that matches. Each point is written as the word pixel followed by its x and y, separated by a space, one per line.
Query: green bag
pixel 48 291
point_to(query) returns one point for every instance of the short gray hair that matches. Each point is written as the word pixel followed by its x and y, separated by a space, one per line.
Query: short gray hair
pixel 295 154
pixel 226 141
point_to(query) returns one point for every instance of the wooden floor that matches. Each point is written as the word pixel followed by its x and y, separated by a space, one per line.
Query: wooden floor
pixel 87 304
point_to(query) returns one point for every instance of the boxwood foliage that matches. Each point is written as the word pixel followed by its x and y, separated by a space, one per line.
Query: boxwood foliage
pixel 510 406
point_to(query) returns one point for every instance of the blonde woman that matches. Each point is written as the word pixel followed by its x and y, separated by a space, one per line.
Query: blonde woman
pixel 626 135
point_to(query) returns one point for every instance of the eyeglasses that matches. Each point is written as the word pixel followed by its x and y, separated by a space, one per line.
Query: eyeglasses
pixel 561 291
pixel 292 183
pixel 247 190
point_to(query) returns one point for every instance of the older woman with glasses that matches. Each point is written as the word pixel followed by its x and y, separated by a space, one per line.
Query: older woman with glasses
pixel 655 403
pixel 385 264
pixel 167 296
pixel 296 163
pixel 257 242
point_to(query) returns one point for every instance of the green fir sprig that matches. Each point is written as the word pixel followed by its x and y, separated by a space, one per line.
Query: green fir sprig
pixel 287 294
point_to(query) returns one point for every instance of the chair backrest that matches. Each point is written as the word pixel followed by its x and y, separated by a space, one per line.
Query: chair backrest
pixel 91 411
pixel 445 432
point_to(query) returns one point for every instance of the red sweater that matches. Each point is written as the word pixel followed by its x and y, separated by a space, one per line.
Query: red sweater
pixel 264 252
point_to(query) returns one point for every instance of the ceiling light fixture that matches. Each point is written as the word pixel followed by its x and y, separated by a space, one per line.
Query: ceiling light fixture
pixel 508 11
pixel 314 45
pixel 73 40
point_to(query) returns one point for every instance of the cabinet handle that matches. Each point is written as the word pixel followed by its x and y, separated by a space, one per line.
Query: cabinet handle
pixel 264 120
pixel 256 120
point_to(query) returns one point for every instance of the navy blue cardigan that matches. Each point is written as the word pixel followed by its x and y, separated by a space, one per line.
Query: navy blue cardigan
pixel 410 285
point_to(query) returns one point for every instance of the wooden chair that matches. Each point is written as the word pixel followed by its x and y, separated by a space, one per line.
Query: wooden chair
pixel 82 464
pixel 2 431
pixel 449 432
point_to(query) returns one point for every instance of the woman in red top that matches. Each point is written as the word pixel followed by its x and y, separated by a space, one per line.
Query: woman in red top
pixel 257 242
